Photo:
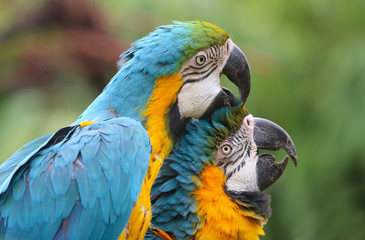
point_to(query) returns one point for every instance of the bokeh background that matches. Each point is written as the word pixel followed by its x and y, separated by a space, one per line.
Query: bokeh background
pixel 308 75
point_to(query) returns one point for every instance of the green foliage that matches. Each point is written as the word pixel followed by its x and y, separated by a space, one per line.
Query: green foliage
pixel 307 60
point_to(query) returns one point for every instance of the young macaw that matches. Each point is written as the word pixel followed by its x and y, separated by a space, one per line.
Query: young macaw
pixel 83 181
pixel 210 186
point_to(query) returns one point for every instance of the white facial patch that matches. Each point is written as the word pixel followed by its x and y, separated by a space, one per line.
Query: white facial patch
pixel 201 75
pixel 241 169
pixel 195 98
pixel 245 179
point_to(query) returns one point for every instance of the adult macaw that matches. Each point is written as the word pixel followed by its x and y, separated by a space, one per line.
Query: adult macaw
pixel 210 186
pixel 83 181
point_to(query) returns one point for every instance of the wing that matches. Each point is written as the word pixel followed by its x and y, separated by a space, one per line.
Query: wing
pixel 81 184
pixel 9 167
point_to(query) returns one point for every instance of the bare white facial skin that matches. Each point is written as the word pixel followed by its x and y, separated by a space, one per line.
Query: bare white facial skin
pixel 201 75
pixel 239 164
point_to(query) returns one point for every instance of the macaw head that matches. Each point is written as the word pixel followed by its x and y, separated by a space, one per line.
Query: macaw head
pixel 180 65
pixel 211 186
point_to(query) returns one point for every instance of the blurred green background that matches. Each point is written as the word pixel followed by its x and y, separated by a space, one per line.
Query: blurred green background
pixel 308 75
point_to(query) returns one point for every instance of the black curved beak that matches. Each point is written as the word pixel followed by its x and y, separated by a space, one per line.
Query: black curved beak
pixel 238 71
pixel 270 136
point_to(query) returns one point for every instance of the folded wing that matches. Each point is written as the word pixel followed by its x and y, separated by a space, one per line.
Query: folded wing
pixel 81 183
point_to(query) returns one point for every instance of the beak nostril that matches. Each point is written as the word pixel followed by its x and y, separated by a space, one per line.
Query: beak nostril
pixel 249 120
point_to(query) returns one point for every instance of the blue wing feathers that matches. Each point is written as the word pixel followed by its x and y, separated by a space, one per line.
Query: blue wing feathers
pixel 18 190
pixel 106 155
pixel 80 183
pixel 98 185
pixel 89 151
pixel 13 162
pixel 37 187
pixel 61 179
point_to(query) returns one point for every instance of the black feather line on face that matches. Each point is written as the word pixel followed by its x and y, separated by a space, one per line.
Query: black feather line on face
pixel 234 161
pixel 196 68
pixel 214 67
pixel 196 73
pixel 256 201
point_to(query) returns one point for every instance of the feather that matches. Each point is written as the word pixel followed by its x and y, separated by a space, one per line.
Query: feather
pixel 105 207
pixel 61 178
pixel 37 188
pixel 18 189
pixel 89 151
pixel 83 186
pixel 169 185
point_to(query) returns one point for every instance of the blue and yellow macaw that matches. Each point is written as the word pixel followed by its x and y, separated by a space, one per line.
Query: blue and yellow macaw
pixel 92 179
pixel 210 186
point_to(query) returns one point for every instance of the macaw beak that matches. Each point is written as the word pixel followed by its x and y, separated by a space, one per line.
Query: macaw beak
pixel 238 71
pixel 270 136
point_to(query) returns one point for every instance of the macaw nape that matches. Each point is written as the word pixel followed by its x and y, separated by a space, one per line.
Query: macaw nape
pixel 211 186
pixel 92 179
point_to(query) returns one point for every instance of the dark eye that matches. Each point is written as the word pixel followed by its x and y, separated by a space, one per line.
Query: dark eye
pixel 200 60
pixel 226 149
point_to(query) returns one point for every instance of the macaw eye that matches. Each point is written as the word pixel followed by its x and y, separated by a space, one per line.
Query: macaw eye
pixel 200 60
pixel 226 149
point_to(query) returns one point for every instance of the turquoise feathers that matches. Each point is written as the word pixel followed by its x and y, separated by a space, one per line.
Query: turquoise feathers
pixel 211 186
pixel 83 181
pixel 67 175
pixel 160 53
pixel 173 205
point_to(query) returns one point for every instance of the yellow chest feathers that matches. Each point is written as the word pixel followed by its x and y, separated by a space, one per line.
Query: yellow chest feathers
pixel 163 96
pixel 222 217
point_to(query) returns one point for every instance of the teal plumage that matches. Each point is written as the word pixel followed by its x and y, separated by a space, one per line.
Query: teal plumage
pixel 173 204
pixel 83 181
pixel 211 186
pixel 11 164
pixel 89 186
pixel 161 53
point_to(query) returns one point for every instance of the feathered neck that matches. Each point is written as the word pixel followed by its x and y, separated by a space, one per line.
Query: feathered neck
pixel 191 194
pixel 121 98
pixel 222 217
